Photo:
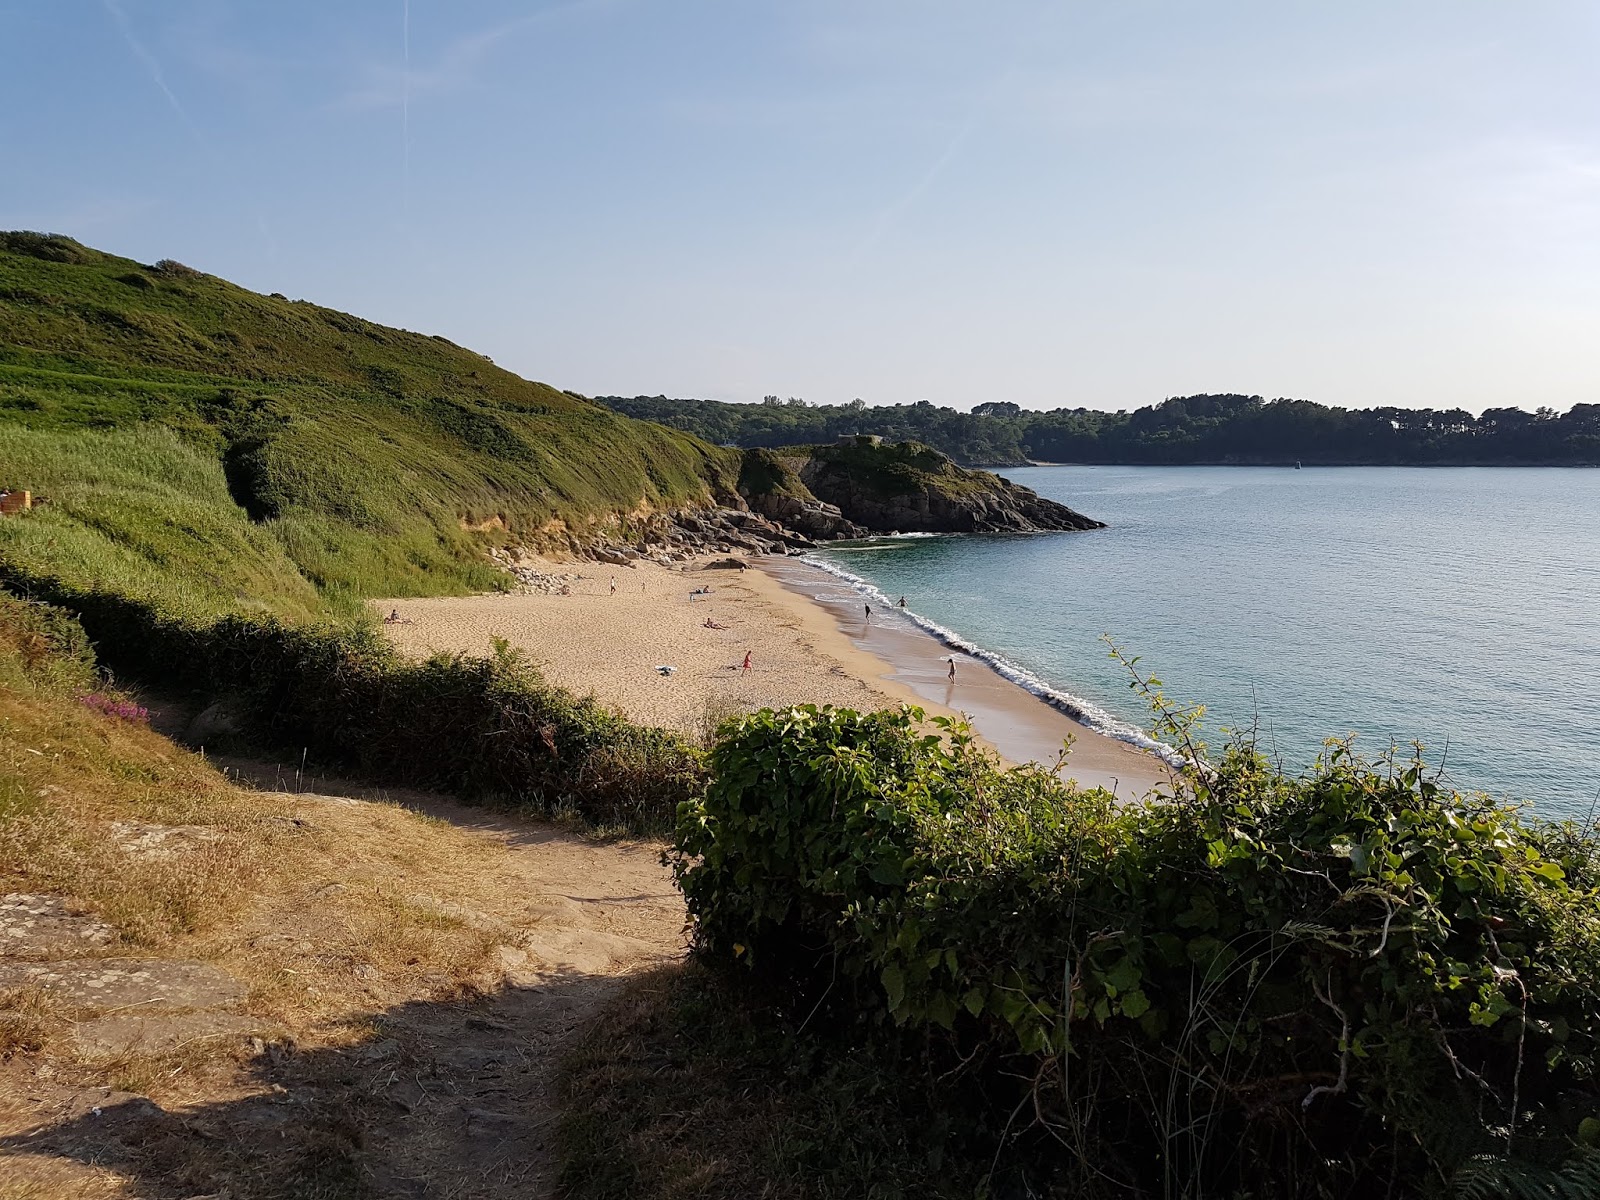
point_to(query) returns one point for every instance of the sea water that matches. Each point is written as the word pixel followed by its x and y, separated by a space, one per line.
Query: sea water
pixel 1455 607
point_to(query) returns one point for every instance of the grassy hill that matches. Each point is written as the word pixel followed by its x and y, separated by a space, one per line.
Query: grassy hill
pixel 213 450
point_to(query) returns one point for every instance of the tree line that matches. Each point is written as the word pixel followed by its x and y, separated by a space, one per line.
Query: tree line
pixel 1229 429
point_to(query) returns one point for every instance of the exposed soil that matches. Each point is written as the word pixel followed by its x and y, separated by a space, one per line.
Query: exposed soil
pixel 306 1048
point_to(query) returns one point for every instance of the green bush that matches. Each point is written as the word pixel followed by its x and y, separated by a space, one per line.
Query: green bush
pixel 43 646
pixel 346 699
pixel 1261 985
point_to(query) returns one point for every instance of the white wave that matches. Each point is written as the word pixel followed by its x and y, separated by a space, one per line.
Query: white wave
pixel 1085 712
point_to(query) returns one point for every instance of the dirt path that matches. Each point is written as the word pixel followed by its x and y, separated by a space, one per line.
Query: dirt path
pixel 387 1022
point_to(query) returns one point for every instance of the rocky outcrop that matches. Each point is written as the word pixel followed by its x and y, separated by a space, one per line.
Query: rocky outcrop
pixel 811 518
pixel 677 536
pixel 790 500
pixel 911 488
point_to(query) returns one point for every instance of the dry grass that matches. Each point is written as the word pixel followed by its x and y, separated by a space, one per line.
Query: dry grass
pixel 322 908
pixel 27 1019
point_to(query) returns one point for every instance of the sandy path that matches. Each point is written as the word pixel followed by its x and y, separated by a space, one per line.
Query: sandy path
pixel 351 1065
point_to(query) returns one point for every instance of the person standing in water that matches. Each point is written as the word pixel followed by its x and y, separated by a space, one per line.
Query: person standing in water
pixel 902 601
pixel 869 611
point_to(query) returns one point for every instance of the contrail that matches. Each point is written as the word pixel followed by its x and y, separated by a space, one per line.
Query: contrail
pixel 154 68
pixel 405 108
pixel 891 215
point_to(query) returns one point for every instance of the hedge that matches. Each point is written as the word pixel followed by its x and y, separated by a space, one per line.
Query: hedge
pixel 1258 985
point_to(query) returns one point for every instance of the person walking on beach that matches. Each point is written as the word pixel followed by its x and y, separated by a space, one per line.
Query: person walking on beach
pixel 613 585
pixel 952 675
pixel 746 666
pixel 869 612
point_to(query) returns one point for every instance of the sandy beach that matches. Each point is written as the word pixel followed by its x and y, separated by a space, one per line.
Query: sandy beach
pixel 802 650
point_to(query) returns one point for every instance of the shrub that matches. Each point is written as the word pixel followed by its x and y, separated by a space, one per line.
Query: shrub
pixel 345 698
pixel 50 247
pixel 174 269
pixel 1261 985
pixel 43 646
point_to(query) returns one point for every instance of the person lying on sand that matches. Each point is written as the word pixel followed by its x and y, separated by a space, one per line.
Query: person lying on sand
pixel 710 624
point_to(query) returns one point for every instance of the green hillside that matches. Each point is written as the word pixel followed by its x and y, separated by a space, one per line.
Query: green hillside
pixel 209 449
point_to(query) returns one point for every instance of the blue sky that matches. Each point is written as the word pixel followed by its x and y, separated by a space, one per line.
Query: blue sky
pixel 1364 202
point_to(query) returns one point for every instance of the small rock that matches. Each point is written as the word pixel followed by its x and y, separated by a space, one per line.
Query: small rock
pixel 120 1033
pixel 38 926
pixel 119 982
pixel 161 841
pixel 215 723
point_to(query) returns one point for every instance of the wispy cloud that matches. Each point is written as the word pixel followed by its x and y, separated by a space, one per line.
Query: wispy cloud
pixel 456 65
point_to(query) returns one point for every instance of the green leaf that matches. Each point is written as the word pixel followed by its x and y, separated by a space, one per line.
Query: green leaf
pixel 894 984
pixel 1135 1004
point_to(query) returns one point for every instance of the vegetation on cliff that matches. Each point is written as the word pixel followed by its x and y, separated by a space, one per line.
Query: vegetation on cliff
pixel 220 451
pixel 228 477
pixel 899 487
pixel 1182 429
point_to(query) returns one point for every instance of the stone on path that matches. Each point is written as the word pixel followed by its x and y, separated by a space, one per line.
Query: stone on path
pixel 37 926
pixel 119 1033
pixel 123 982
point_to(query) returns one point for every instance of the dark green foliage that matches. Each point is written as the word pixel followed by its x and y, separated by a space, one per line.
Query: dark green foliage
pixel 975 439
pixel 43 646
pixel 345 699
pixel 900 469
pixel 766 473
pixel 1180 430
pixel 1269 986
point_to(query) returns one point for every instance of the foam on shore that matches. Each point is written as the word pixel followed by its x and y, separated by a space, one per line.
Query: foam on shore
pixel 1083 711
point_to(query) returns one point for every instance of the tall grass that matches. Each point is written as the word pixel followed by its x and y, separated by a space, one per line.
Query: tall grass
pixel 229 476
pixel 143 514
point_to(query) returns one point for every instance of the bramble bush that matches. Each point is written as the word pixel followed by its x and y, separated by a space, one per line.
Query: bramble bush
pixel 1257 985
pixel 344 698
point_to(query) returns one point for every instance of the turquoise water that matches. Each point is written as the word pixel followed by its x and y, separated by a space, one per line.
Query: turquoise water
pixel 1457 607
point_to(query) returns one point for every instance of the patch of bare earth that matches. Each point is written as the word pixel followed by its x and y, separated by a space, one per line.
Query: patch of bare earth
pixel 262 993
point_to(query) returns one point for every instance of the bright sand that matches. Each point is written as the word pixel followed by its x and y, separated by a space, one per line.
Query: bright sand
pixel 802 650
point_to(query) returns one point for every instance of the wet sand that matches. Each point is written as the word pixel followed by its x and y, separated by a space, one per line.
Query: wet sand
pixel 802 650
pixel 1020 726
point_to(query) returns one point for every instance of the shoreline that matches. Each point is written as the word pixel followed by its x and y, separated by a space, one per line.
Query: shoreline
pixel 1019 725
pixel 613 646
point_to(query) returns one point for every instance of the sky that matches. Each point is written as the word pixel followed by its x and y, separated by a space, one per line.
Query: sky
pixel 1369 202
